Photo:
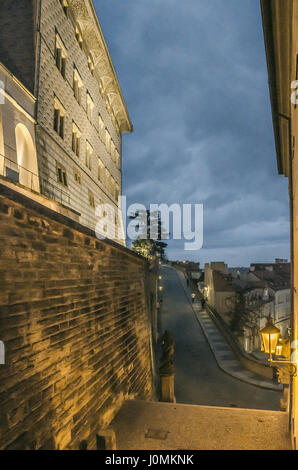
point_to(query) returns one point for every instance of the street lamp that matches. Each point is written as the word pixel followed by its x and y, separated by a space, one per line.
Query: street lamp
pixel 270 335
pixel 160 288
pixel 279 348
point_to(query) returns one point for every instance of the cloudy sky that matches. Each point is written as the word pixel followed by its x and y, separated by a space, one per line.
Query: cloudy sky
pixel 194 78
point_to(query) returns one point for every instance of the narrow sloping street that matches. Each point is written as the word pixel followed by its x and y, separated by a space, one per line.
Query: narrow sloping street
pixel 199 380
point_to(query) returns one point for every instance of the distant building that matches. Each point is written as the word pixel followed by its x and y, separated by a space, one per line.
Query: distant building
pixel 218 288
pixel 277 278
pixel 264 290
pixel 63 118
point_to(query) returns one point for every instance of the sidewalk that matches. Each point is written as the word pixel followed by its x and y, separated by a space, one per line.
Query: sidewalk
pixel 144 425
pixel 224 355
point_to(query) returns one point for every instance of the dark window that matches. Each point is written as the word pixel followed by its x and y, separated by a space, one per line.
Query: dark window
pixel 60 58
pixel 59 122
pixel 61 175
pixel 64 5
pixel 76 142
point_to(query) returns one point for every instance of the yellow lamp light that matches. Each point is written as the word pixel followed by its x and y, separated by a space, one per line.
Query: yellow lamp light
pixel 270 335
pixel 160 288
pixel 279 348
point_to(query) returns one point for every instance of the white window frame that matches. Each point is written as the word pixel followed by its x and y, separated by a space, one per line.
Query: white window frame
pixel 65 5
pixel 100 171
pixel 108 140
pixel 79 36
pixel 89 154
pixel 77 86
pixel 62 175
pixel 91 65
pixel 91 198
pixel 89 106
pixel 76 140
pixel 60 55
pixel 60 127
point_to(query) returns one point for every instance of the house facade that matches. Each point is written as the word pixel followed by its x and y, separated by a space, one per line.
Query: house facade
pixel 280 25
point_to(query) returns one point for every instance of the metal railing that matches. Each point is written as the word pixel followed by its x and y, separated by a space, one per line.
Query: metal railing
pixel 50 189
pixel 18 174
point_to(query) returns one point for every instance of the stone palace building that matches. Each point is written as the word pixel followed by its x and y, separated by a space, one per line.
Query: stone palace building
pixel 63 116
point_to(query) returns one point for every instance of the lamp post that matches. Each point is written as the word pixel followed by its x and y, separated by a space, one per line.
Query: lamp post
pixel 273 344
pixel 279 347
pixel 270 335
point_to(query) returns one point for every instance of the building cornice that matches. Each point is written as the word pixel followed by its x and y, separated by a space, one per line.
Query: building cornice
pixel 85 16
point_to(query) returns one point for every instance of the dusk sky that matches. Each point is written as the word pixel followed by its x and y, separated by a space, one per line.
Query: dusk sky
pixel 194 78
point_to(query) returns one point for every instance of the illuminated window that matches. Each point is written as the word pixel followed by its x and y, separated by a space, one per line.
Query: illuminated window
pixel 79 37
pixel 61 174
pixel 59 117
pixel 60 55
pixel 100 173
pixel 107 180
pixel 77 86
pixel 117 192
pixel 101 89
pixel 77 176
pixel 101 127
pixel 117 157
pixel 108 106
pixel 76 140
pixel 102 212
pixel 91 198
pixel 108 141
pixel 89 152
pixel 113 151
pixel 91 65
pixel 89 106
pixel 113 187
pixel 64 4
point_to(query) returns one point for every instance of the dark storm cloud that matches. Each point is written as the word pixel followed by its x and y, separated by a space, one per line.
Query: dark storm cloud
pixel 194 78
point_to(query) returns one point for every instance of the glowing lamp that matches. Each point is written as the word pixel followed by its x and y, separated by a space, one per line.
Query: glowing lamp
pixel 279 348
pixel 270 335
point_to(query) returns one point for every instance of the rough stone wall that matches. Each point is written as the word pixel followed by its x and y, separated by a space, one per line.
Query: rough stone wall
pixel 73 318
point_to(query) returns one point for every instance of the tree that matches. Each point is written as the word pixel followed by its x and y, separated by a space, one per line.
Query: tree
pixel 145 248
pixel 148 224
pixel 244 316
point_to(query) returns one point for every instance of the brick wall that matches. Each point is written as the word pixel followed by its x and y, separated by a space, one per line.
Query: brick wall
pixel 73 317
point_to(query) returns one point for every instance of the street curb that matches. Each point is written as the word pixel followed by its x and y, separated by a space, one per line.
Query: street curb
pixel 219 363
